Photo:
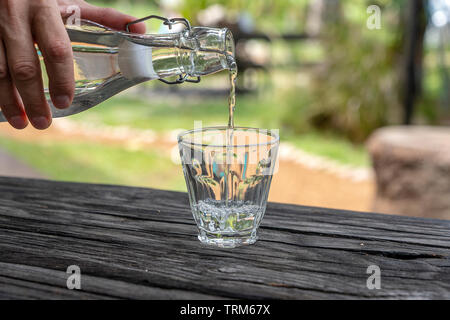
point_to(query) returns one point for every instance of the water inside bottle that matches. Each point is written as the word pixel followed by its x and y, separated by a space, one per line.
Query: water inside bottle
pixel 95 65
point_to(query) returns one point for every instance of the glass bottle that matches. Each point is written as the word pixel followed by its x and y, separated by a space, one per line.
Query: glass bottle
pixel 107 62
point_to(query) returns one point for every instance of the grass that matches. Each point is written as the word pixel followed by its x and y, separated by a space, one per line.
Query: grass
pixel 332 147
pixel 168 114
pixel 260 111
pixel 98 163
pixel 114 164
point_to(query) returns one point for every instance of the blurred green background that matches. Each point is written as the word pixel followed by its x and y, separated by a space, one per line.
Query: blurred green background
pixel 313 69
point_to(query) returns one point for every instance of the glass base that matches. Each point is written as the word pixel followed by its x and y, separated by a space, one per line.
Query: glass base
pixel 227 240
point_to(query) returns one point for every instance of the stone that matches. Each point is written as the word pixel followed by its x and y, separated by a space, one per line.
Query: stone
pixel 412 169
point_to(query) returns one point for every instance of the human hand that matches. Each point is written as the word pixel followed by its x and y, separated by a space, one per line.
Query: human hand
pixel 26 22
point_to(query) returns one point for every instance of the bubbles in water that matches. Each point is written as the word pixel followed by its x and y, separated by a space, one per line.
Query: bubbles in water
pixel 230 216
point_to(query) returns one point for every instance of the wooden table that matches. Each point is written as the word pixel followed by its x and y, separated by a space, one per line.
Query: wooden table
pixel 141 243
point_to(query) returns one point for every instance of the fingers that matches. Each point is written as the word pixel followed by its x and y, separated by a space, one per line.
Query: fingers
pixel 21 85
pixel 111 18
pixel 25 71
pixel 10 102
pixel 54 43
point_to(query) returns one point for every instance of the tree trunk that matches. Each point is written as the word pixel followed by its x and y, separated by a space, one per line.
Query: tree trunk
pixel 415 25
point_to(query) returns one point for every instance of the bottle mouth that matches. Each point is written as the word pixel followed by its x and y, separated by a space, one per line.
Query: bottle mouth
pixel 229 42
pixel 228 58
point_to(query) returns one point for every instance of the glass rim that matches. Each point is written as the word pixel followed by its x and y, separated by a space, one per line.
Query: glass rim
pixel 267 132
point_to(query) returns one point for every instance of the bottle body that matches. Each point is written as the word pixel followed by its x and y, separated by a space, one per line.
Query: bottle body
pixel 107 62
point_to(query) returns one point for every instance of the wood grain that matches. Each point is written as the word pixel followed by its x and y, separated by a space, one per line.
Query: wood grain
pixel 141 243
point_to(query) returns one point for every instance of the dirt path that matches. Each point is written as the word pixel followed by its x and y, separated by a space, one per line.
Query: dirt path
pixel 10 166
pixel 294 183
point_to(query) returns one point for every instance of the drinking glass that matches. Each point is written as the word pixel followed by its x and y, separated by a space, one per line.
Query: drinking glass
pixel 228 174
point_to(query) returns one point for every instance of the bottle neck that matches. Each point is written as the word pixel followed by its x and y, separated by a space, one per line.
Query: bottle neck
pixel 197 52
pixel 211 49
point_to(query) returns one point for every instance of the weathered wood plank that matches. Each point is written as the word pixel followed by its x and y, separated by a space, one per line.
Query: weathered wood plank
pixel 141 243
pixel 48 280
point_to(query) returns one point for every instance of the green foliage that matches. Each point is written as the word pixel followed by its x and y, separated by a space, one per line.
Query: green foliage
pixel 269 16
pixel 434 104
pixel 356 89
pixel 135 8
